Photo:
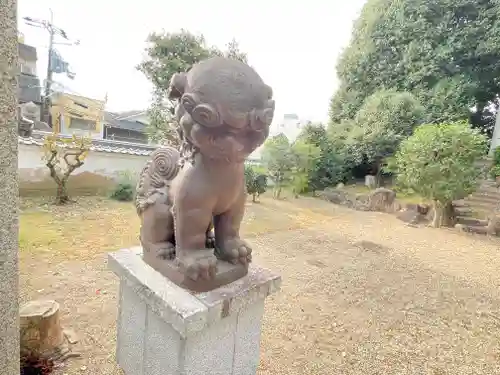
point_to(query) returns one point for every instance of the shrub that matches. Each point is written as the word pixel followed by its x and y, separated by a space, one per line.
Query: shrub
pixel 256 183
pixel 123 192
pixel 439 163
pixel 495 169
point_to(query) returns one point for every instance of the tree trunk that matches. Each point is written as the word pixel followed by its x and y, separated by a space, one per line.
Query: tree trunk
pixel 444 214
pixel 40 328
pixel 253 197
pixel 378 174
pixel 278 192
pixel 62 196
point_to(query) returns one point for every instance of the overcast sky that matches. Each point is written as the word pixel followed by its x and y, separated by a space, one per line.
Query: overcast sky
pixel 293 45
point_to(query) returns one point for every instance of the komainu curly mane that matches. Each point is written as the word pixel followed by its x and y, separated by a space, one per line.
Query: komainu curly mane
pixel 156 176
pixel 216 117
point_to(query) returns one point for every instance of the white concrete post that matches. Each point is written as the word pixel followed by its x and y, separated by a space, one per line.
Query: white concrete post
pixel 165 330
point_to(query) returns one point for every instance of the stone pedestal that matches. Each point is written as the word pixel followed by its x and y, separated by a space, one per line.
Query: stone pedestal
pixel 166 330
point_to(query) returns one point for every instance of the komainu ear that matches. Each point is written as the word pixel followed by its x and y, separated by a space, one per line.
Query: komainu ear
pixel 269 92
pixel 177 86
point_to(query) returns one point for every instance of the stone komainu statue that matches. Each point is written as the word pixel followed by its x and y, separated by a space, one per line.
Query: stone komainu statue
pixel 193 200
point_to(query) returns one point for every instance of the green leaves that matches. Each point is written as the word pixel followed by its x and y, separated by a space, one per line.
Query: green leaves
pixel 445 52
pixel 385 118
pixel 255 182
pixel 277 157
pixel 438 161
pixel 290 163
pixel 328 169
pixel 167 54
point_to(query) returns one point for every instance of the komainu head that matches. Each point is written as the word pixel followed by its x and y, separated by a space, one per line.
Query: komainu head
pixel 224 108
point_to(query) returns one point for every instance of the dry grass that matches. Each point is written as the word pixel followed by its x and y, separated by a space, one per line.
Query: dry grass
pixel 362 292
pixel 96 225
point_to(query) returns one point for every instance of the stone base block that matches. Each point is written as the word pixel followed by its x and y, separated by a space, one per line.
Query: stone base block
pixel 226 273
pixel 163 329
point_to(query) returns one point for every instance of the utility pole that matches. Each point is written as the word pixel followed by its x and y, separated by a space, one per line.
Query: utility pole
pixel 48 81
pixel 53 31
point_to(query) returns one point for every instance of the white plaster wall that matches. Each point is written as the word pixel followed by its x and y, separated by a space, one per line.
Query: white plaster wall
pixel 495 141
pixel 32 167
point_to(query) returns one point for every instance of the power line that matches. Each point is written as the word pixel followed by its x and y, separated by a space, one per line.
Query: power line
pixel 53 31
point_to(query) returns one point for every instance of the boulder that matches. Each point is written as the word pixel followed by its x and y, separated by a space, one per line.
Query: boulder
pixel 410 216
pixel 334 196
pixel 493 227
pixel 382 200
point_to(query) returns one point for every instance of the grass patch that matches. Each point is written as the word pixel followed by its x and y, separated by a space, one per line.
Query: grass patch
pixel 78 230
pixel 96 225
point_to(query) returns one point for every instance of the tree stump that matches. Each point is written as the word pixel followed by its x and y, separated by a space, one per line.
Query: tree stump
pixel 40 328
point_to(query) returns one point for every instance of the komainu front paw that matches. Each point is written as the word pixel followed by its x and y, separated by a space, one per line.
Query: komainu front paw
pixel 162 250
pixel 234 250
pixel 197 264
pixel 210 241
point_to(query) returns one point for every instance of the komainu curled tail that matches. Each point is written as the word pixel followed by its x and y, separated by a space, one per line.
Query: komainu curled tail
pixel 154 203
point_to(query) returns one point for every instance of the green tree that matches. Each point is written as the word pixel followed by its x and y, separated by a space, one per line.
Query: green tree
pixel 304 157
pixel 255 182
pixel 385 118
pixel 167 54
pixel 329 168
pixel 495 168
pixel 445 52
pixel 278 160
pixel 439 163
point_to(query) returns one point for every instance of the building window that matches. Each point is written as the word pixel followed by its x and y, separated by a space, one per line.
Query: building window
pixel 26 69
pixel 83 124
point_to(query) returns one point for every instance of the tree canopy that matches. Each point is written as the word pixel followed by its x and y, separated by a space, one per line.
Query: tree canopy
pixel 276 156
pixel 385 118
pixel 445 52
pixel 167 54
pixel 439 162
pixel 255 182
pixel 328 169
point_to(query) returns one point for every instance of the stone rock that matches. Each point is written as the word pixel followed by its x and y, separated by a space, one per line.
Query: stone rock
pixel 421 208
pixel 396 207
pixel 493 227
pixel 340 186
pixel 70 335
pixel 360 202
pixel 334 196
pixel 410 216
pixel 382 200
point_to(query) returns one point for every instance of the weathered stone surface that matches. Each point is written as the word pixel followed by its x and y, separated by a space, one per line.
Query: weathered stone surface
pixel 382 200
pixel 493 227
pixel 186 311
pixel 334 196
pixel 164 329
pixel 410 216
pixel 226 273
pixel 9 307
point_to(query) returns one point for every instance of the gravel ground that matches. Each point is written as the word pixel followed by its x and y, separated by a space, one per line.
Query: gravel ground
pixel 362 294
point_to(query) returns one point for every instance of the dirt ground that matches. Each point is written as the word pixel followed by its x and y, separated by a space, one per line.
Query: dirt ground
pixel 362 292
